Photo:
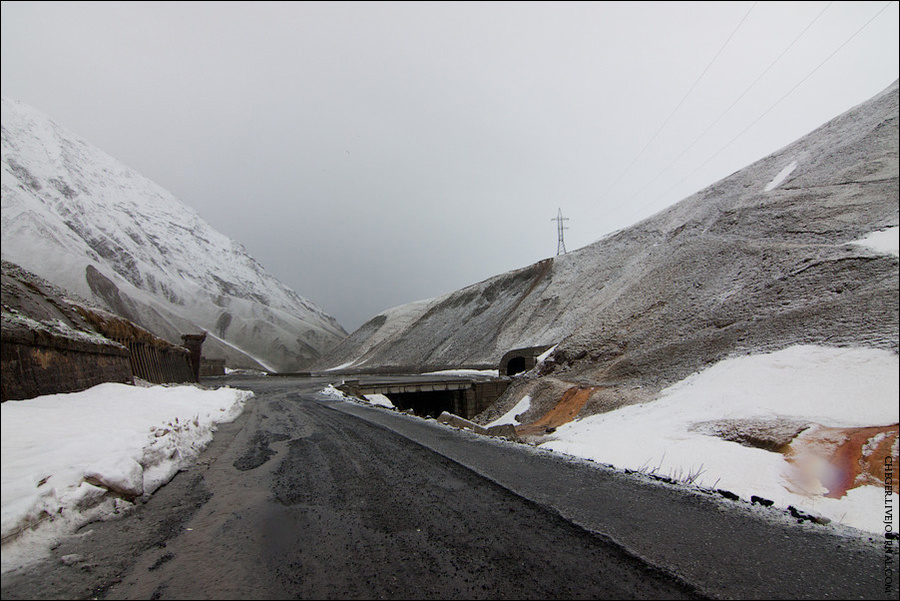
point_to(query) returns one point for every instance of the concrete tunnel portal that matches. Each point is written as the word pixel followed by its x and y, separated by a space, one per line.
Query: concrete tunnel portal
pixel 521 360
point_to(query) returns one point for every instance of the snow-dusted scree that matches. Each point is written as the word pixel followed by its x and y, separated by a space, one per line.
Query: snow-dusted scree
pixel 68 458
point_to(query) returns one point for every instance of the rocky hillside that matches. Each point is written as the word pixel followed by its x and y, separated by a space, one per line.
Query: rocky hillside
pixel 87 223
pixel 762 260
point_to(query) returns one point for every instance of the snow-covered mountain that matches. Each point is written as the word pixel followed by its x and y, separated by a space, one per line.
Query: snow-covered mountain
pixel 87 223
pixel 761 260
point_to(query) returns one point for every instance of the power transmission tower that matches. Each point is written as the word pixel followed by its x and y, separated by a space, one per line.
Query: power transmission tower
pixel 561 245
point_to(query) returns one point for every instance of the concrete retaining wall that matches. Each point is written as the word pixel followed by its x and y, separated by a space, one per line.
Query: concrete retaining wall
pixel 158 364
pixel 37 361
pixel 37 365
pixel 212 367
pixel 482 395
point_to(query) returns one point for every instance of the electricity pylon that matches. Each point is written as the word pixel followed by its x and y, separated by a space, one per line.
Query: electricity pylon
pixel 561 245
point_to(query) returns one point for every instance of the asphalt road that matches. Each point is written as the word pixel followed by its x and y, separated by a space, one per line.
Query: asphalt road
pixel 305 497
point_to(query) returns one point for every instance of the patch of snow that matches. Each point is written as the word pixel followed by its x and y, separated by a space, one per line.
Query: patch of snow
pixel 245 371
pixel 873 443
pixel 782 175
pixel 510 416
pixel 543 356
pixel 64 454
pixel 465 372
pixel 862 508
pixel 885 241
pixel 333 393
pixel 57 327
pixel 376 399
pixel 835 387
pixel 343 365
pixel 379 399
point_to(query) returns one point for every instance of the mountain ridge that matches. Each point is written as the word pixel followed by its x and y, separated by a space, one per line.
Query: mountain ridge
pixel 83 220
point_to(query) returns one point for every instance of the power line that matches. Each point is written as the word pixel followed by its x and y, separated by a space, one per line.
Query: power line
pixel 777 102
pixel 728 110
pixel 672 114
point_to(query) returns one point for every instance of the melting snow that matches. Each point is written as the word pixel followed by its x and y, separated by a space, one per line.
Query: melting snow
pixel 380 400
pixel 64 454
pixel 543 356
pixel 464 372
pixel 343 365
pixel 510 416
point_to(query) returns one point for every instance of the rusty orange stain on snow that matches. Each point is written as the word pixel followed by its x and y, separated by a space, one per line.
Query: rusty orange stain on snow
pixel 562 413
pixel 855 457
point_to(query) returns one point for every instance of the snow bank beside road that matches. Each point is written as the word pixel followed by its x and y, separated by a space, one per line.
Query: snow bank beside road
pixel 830 387
pixel 380 400
pixel 375 399
pixel 68 458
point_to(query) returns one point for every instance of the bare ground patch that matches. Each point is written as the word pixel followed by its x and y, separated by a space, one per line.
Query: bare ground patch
pixel 840 459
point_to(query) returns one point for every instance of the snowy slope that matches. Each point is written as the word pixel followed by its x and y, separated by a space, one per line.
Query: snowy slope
pixel 77 217
pixel 757 262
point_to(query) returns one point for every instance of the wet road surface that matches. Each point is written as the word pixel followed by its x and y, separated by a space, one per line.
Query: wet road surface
pixel 306 497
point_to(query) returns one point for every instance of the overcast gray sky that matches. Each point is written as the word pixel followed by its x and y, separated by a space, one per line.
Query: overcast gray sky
pixel 374 154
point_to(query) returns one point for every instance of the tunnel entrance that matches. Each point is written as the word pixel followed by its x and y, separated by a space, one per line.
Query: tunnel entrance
pixel 516 365
pixel 429 404
pixel 521 360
